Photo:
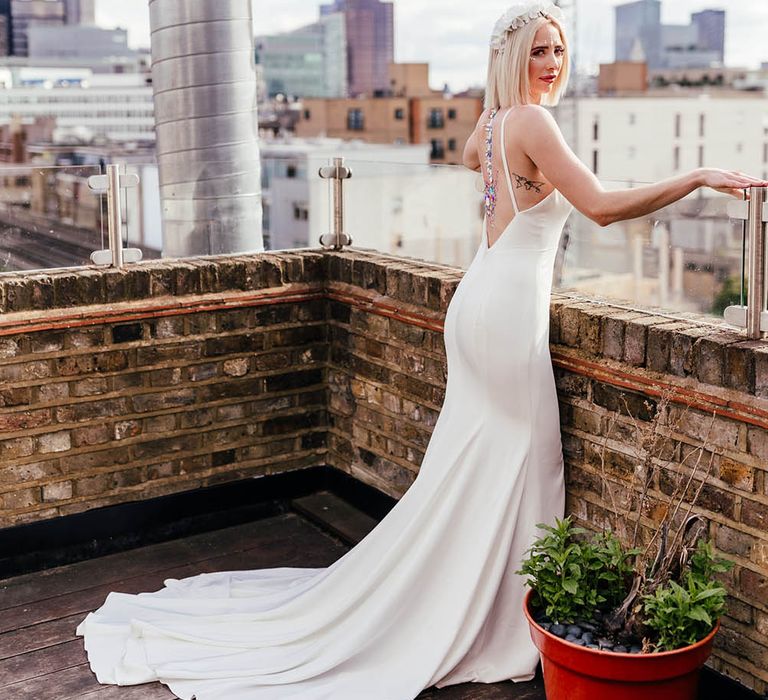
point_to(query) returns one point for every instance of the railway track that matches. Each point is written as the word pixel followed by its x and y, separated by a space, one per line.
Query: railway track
pixel 33 242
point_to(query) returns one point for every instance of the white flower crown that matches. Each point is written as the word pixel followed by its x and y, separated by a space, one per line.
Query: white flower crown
pixel 519 15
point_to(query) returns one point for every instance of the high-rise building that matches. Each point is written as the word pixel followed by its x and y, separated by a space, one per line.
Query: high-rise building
pixel 80 11
pixel 25 13
pixel 711 31
pixel 640 35
pixel 370 43
pixel 638 25
pixel 88 42
pixel 308 62
pixel 5 28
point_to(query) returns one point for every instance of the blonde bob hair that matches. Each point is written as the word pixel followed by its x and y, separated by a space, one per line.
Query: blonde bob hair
pixel 508 82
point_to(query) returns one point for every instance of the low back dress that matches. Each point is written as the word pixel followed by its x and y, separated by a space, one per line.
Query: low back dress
pixel 430 596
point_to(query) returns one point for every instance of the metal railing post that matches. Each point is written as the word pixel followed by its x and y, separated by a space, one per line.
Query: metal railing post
pixel 754 316
pixel 111 183
pixel 114 215
pixel 337 172
pixel 756 291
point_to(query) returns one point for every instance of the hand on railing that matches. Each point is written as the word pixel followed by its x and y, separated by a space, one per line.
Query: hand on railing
pixel 730 182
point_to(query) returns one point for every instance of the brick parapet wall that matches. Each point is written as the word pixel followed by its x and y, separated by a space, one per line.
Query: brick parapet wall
pixel 386 382
pixel 150 393
pixel 225 368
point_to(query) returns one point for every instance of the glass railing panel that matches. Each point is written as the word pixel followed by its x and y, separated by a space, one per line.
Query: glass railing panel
pixel 686 257
pixel 49 217
pixel 206 208
pixel 430 212
pixel 141 210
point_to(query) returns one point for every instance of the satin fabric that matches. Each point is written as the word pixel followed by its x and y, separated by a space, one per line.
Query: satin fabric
pixel 429 596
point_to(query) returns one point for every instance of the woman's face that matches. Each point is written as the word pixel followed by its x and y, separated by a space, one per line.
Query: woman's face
pixel 545 62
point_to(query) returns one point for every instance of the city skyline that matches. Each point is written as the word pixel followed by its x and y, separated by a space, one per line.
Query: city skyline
pixel 454 41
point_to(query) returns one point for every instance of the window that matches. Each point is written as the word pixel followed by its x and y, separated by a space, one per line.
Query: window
pixel 596 128
pixel 451 114
pixel 765 153
pixel 678 125
pixel 399 113
pixel 702 123
pixel 451 144
pixel 676 158
pixel 701 156
pixel 595 160
pixel 300 211
pixel 739 147
pixel 265 212
pixel 307 114
pixel 355 120
pixel 436 120
pixel 290 170
pixel 632 118
pixel 438 151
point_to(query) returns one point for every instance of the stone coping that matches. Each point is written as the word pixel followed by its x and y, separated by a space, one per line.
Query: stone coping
pixel 687 346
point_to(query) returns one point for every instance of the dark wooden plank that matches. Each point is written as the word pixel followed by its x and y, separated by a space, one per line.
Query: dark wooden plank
pixel 147 691
pixel 52 661
pixel 287 551
pixel 39 636
pixel 61 685
pixel 42 658
pixel 72 577
pixel 336 515
pixel 531 690
pixel 37 663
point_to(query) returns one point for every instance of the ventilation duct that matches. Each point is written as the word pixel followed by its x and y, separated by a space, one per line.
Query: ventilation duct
pixel 204 87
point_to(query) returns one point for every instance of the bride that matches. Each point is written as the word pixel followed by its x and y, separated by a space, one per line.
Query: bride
pixel 430 596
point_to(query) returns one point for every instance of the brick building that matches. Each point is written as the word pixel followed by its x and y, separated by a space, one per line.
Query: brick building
pixel 413 114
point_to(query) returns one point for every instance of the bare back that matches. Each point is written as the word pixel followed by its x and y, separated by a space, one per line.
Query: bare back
pixel 529 186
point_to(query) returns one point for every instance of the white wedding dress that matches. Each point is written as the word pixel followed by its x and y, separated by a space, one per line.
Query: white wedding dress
pixel 430 595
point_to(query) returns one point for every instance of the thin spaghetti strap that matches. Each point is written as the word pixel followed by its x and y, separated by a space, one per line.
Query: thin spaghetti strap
pixel 506 165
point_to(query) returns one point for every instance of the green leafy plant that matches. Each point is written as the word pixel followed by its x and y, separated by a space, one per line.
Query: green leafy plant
pixel 571 577
pixel 658 592
pixel 682 615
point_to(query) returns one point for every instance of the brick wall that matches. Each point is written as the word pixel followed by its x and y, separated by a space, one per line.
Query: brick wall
pixel 386 375
pixel 192 372
pixel 145 393
pixel 386 383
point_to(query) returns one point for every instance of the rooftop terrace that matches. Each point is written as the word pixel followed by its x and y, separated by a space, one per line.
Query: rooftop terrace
pixel 239 386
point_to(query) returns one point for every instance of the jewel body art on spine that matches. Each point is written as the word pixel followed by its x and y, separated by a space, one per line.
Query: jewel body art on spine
pixel 490 185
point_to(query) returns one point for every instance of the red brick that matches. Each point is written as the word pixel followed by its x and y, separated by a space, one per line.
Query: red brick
pixel 90 435
pixel 23 420
pixel 54 442
pixel 754 514
pixel 753 585
pixel 76 413
pixel 166 399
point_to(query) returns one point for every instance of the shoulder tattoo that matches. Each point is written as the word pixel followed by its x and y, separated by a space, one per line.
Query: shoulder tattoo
pixel 521 181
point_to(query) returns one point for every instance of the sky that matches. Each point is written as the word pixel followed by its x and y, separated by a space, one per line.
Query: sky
pixel 452 35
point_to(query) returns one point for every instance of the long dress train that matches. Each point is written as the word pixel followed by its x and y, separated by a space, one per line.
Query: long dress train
pixel 429 596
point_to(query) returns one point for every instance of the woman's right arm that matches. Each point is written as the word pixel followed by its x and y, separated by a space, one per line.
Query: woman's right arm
pixel 545 146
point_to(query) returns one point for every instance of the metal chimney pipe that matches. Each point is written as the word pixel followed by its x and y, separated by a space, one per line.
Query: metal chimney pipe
pixel 204 89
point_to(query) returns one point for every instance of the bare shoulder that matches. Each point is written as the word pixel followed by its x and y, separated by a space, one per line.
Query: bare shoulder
pixel 535 116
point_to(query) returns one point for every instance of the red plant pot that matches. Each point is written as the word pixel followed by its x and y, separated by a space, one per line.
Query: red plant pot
pixel 572 672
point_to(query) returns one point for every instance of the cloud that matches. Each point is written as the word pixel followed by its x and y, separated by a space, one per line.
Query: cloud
pixel 453 36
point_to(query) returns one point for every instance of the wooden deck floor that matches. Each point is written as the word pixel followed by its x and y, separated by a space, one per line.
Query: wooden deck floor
pixel 42 659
